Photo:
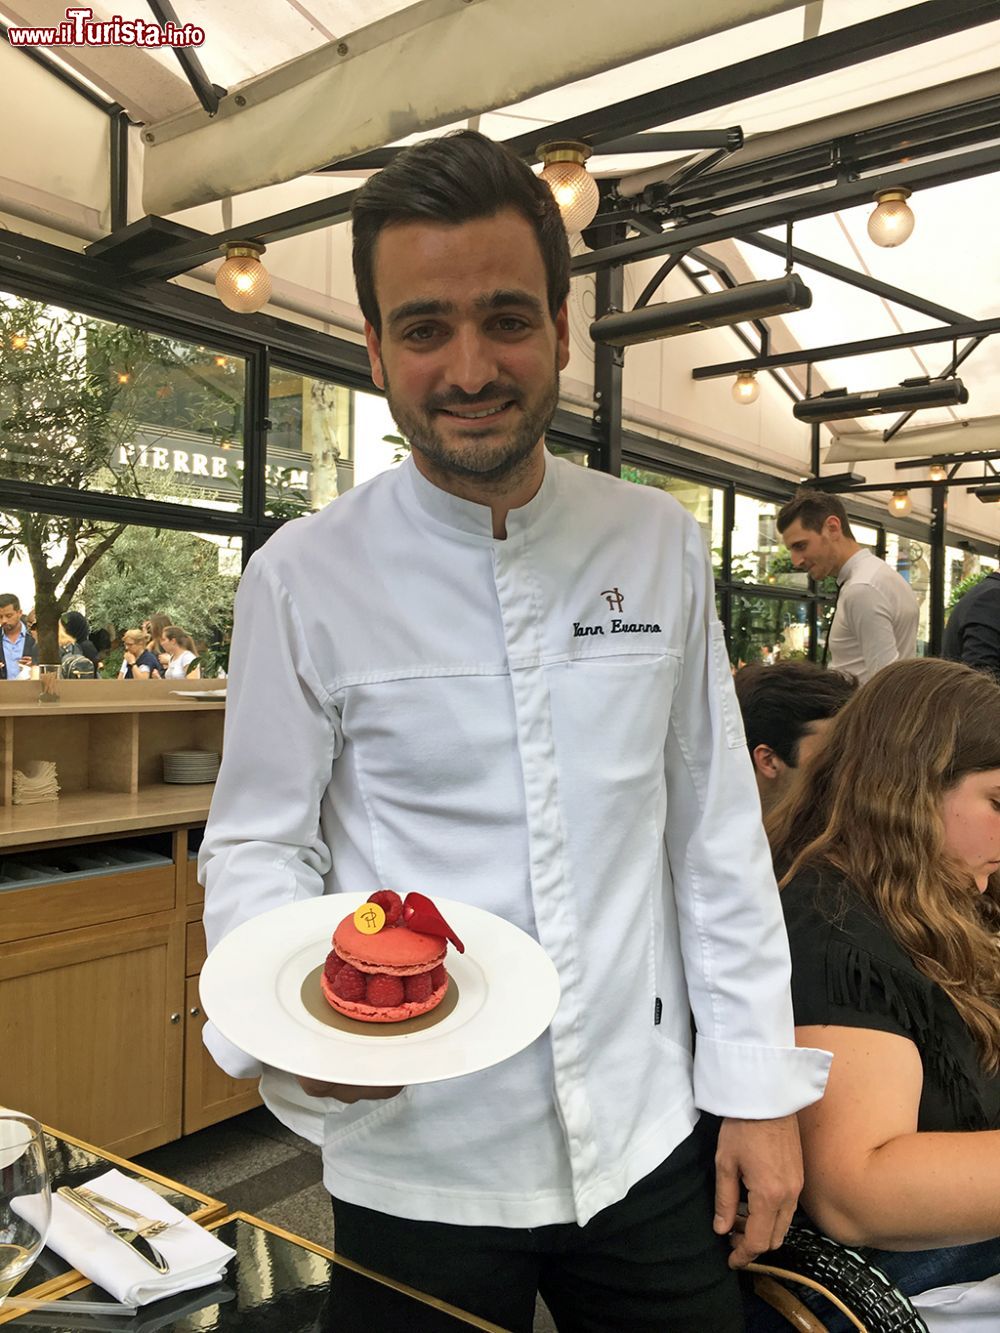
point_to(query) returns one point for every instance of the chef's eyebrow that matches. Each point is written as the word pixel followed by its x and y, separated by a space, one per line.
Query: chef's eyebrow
pixel 501 299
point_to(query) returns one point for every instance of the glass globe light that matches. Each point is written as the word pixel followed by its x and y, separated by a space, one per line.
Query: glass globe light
pixel 746 389
pixel 572 185
pixel 242 282
pixel 899 503
pixel 938 472
pixel 892 221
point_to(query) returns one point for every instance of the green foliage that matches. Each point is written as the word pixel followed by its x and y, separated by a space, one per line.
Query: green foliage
pixel 963 586
pixel 176 573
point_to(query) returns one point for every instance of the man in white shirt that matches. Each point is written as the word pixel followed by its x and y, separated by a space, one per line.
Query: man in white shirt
pixel 499 678
pixel 877 612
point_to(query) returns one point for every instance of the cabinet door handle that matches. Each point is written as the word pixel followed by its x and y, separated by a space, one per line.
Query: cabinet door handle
pixel 175 1018
pixel 194 1012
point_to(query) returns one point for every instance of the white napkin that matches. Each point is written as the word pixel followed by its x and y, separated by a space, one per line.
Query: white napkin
pixel 966 1307
pixel 196 1257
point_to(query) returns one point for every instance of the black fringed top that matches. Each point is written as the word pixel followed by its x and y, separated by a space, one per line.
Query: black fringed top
pixel 848 971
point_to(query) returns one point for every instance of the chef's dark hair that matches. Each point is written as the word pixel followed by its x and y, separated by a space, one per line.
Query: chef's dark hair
pixel 457 178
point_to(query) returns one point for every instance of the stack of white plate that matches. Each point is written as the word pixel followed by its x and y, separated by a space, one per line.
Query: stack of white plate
pixel 190 766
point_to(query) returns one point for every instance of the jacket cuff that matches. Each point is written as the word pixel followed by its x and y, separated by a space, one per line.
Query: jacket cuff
pixel 230 1059
pixel 757 1082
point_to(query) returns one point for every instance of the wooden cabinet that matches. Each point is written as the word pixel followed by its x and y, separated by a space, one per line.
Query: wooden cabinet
pixel 100 1022
pixel 92 1030
pixel 209 1094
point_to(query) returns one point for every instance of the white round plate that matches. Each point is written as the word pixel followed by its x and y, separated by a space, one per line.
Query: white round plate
pixel 251 989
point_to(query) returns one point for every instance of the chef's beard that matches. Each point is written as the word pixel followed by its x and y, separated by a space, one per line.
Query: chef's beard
pixel 485 458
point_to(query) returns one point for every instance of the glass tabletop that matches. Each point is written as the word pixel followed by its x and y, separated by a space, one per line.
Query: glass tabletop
pixel 276 1282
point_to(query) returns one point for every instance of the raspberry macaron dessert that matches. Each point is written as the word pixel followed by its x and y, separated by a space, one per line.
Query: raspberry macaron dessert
pixel 387 963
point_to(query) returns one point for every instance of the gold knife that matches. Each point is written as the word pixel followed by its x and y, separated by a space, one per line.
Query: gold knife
pixel 137 1244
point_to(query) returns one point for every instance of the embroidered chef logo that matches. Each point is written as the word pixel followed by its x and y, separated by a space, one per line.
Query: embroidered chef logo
pixel 615 599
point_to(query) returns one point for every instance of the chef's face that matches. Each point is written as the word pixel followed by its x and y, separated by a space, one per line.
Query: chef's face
pixel 468 353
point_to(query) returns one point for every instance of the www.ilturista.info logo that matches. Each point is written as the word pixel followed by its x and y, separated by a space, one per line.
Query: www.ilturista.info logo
pixel 80 28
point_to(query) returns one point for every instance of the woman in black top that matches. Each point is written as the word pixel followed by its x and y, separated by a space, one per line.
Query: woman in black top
pixel 890 848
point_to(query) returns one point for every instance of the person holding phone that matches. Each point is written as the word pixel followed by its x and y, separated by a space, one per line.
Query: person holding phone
pixel 20 651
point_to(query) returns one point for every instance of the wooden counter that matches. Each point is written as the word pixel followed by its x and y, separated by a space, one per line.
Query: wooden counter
pixel 107 739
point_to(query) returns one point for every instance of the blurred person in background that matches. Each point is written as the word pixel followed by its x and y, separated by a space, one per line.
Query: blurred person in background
pixel 155 627
pixel 876 613
pixel 138 663
pixel 180 647
pixel 787 709
pixel 972 634
pixel 77 655
pixel 20 651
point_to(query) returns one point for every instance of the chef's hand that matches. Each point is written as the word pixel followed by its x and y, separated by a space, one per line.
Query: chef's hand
pixel 766 1156
pixel 346 1092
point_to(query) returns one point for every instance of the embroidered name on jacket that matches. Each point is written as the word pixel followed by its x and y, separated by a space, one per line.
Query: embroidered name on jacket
pixel 617 627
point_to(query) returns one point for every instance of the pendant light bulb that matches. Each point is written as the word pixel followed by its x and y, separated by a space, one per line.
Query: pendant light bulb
pixel 892 221
pixel 938 472
pixel 242 282
pixel 745 388
pixel 572 185
pixel 899 503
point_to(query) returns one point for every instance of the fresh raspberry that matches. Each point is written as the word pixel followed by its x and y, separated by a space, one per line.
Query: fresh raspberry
pixel 332 966
pixel 418 987
pixel 391 904
pixel 384 992
pixel 438 977
pixel 349 983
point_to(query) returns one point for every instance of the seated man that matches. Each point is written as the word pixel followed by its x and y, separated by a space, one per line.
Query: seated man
pixel 787 708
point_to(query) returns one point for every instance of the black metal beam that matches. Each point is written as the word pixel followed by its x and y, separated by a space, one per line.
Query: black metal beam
pixel 277 227
pixel 863 281
pixel 863 347
pixel 985 456
pixel 810 59
pixel 44 272
pixel 668 141
pixel 939 556
pixel 119 168
pixel 812 203
pixel 609 363
pixel 207 92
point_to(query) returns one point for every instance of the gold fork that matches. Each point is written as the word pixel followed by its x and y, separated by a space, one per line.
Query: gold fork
pixel 146 1226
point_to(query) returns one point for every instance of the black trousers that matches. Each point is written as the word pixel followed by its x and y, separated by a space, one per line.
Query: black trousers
pixel 647 1264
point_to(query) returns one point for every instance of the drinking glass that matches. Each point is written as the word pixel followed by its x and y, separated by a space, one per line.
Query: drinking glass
pixel 48 674
pixel 25 1201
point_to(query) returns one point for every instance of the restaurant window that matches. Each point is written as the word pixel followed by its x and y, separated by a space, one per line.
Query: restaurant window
pixel 703 503
pixel 767 629
pixel 96 406
pixel 912 559
pixel 118 577
pixel 759 555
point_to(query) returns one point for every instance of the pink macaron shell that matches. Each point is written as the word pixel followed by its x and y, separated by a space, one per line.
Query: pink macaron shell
pixel 397 1013
pixel 394 950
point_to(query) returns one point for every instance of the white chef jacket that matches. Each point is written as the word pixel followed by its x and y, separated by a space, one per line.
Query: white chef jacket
pixel 544 726
pixel 876 619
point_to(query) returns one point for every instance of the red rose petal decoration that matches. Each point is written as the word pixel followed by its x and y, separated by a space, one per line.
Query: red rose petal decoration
pixel 419 913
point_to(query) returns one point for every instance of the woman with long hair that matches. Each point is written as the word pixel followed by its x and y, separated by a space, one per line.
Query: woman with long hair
pixel 180 647
pixel 888 853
